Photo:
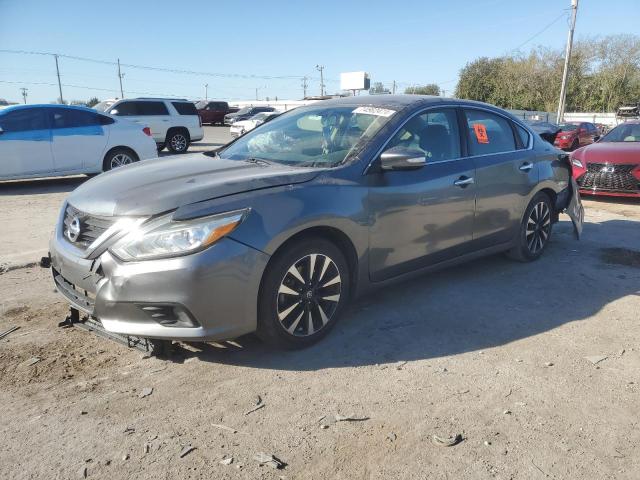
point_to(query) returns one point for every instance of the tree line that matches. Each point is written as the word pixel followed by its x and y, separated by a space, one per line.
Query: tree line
pixel 604 74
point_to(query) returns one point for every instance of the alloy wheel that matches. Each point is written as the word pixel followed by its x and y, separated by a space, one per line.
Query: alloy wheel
pixel 120 159
pixel 538 227
pixel 179 142
pixel 309 294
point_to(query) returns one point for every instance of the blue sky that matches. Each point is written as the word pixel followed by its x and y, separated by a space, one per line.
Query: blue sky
pixel 412 42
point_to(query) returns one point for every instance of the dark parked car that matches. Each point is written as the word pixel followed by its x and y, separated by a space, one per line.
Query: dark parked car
pixel 548 131
pixel 214 112
pixel 276 231
pixel 245 114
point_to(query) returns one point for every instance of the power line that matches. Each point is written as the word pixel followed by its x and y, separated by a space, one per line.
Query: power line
pixel 547 27
pixel 155 69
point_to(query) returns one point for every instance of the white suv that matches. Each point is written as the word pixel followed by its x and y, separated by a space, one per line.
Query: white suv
pixel 174 122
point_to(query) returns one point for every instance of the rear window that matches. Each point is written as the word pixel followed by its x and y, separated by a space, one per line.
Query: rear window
pixel 23 120
pixel 185 108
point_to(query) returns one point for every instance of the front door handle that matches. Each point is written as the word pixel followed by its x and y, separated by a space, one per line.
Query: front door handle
pixel 526 166
pixel 463 181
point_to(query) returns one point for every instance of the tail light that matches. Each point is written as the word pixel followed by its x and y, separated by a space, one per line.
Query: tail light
pixel 147 131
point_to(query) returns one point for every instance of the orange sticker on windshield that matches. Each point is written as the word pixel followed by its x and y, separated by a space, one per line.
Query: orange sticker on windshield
pixel 481 133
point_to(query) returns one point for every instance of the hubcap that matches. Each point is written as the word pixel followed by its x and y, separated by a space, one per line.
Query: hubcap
pixel 538 227
pixel 179 142
pixel 308 295
pixel 121 159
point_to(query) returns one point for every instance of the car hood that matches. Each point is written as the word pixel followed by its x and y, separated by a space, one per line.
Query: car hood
pixel 610 152
pixel 159 185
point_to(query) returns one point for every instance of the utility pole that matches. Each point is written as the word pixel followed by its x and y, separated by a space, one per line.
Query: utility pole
pixel 444 92
pixel 320 68
pixel 206 92
pixel 120 75
pixel 304 87
pixel 567 57
pixel 59 83
pixel 24 94
pixel 256 93
pixel 393 88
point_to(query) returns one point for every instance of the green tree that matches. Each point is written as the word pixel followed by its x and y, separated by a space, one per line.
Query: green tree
pixel 92 102
pixel 429 89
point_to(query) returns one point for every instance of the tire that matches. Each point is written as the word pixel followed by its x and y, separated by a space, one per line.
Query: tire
pixel 535 229
pixel 161 146
pixel 118 157
pixel 178 141
pixel 294 312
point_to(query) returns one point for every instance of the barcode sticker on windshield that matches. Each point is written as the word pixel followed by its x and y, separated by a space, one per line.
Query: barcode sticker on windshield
pixel 381 112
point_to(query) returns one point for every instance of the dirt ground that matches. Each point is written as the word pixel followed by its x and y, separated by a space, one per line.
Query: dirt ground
pixel 536 366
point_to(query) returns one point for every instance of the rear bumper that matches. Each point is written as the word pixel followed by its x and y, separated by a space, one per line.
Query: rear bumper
pixel 210 295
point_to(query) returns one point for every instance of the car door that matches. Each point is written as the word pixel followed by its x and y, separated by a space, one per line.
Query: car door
pixel 506 173
pixel 25 143
pixel 424 216
pixel 78 137
pixel 147 113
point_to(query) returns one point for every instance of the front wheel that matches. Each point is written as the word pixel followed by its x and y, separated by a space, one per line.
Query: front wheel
pixel 535 229
pixel 303 292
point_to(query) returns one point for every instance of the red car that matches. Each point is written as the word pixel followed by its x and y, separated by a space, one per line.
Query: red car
pixel 612 165
pixel 575 135
pixel 214 112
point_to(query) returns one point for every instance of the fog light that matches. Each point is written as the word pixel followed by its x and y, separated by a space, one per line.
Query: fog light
pixel 169 315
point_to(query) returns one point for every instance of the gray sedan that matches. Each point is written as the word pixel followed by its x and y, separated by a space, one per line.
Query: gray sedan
pixel 276 231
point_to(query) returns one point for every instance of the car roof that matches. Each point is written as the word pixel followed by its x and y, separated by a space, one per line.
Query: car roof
pixel 401 101
pixel 49 105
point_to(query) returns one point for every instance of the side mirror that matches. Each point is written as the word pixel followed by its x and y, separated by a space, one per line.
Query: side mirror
pixel 400 158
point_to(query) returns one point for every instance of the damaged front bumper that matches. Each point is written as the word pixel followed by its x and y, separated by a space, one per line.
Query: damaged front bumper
pixel 202 296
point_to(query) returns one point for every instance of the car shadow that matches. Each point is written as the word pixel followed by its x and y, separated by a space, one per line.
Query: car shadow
pixel 41 186
pixel 475 306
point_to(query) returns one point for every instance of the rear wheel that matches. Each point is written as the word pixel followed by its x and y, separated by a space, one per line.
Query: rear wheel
pixel 535 229
pixel 118 157
pixel 178 141
pixel 304 290
pixel 160 146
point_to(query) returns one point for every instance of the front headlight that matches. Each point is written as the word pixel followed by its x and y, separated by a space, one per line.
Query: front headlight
pixel 576 163
pixel 173 238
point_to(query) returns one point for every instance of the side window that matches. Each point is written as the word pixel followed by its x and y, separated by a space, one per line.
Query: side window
pixel 524 136
pixel 104 120
pixel 488 133
pixel 152 108
pixel 69 118
pixel 185 108
pixel 23 120
pixel 434 132
pixel 125 109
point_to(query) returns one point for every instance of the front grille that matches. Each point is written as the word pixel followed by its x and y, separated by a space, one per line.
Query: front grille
pixel 598 178
pixel 91 227
pixel 80 299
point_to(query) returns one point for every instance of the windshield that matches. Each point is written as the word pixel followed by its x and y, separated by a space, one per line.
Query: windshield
pixel 568 127
pixel 201 104
pixel 244 110
pixel 311 136
pixel 629 132
pixel 259 116
pixel 103 106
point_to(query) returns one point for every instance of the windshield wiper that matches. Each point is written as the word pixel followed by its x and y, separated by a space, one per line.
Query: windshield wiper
pixel 258 161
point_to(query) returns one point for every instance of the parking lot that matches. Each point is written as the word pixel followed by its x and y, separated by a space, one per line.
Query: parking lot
pixel 535 365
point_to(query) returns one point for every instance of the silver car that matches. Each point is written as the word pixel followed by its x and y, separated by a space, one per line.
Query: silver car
pixel 276 231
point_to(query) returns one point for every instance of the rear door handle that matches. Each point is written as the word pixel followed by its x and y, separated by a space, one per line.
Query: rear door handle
pixel 464 181
pixel 526 166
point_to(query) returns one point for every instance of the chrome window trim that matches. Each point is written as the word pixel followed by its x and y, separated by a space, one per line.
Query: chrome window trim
pixel 461 106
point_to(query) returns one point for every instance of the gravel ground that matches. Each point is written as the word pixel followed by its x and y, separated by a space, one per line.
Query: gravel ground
pixel 536 366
